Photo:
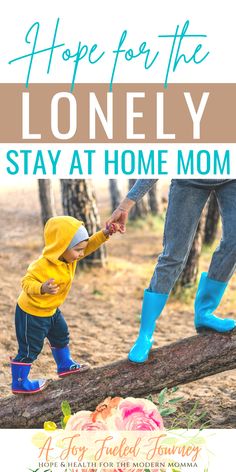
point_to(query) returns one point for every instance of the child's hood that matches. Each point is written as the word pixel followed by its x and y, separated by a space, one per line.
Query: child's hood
pixel 58 233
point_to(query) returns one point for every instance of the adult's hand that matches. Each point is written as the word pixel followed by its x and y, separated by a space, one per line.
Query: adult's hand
pixel 120 214
pixel 119 217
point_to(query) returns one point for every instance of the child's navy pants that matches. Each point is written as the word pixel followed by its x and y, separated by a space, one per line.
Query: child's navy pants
pixel 31 332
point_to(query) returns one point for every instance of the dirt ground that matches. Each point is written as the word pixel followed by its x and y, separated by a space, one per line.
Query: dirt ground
pixel 103 307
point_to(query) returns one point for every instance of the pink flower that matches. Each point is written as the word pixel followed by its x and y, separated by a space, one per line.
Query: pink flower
pixel 83 420
pixel 138 414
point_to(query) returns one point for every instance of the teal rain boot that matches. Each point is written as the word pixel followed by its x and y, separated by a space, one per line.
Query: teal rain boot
pixel 153 304
pixel 209 295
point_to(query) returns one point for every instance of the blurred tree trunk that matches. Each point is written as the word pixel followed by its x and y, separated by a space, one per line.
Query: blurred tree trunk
pixel 154 200
pixel 78 200
pixel 114 193
pixel 46 198
pixel 212 220
pixel 140 209
pixel 190 272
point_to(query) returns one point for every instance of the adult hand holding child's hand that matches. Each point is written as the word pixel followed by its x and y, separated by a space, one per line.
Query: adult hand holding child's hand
pixel 120 215
pixel 49 287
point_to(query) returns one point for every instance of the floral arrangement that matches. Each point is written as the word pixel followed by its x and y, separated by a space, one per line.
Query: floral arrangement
pixel 129 414
pixel 117 414
pixel 126 414
pixel 113 414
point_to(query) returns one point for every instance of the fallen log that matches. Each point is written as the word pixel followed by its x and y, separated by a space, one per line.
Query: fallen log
pixel 179 363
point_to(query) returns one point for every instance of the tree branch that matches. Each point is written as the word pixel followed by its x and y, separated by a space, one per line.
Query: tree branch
pixel 179 363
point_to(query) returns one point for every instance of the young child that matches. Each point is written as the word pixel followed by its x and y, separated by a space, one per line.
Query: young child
pixel 45 287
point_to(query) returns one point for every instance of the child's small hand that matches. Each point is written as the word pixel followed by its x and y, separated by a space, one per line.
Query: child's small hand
pixel 49 287
pixel 111 229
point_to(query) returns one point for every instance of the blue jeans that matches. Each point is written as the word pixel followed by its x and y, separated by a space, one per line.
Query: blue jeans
pixel 31 332
pixel 186 202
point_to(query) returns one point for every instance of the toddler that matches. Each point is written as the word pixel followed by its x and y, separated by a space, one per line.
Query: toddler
pixel 45 287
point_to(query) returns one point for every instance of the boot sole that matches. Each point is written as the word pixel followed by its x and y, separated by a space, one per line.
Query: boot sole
pixel 135 362
pixel 75 371
pixel 24 392
pixel 205 330
pixel 210 330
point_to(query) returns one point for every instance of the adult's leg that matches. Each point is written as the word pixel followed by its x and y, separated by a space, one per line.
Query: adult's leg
pixel 223 263
pixel 184 210
pixel 212 285
pixel 183 214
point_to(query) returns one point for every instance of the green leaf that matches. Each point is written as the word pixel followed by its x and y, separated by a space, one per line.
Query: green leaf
pixel 195 406
pixel 174 389
pixel 63 424
pixel 65 408
pixel 205 425
pixel 175 400
pixel 199 441
pixel 97 292
pixel 167 411
pixel 150 398
pixel 170 441
pixel 161 396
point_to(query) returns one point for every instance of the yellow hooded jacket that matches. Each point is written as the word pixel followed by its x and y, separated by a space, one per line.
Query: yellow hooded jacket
pixel 58 233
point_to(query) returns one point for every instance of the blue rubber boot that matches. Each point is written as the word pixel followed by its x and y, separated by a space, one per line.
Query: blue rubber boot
pixel 66 365
pixel 209 295
pixel 153 304
pixel 20 381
